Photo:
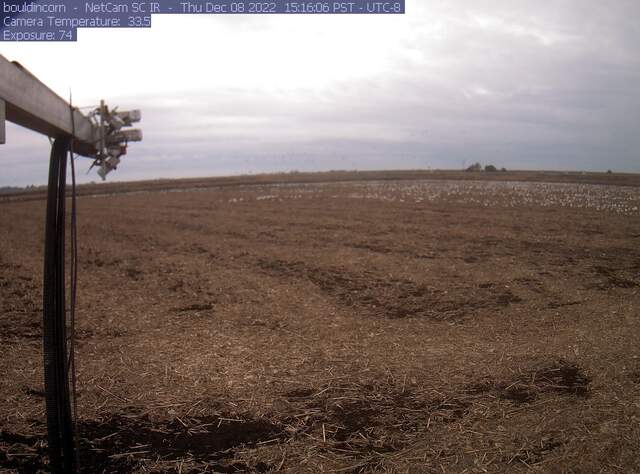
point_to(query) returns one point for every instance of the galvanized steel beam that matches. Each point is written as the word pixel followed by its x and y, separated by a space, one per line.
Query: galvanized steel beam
pixel 33 105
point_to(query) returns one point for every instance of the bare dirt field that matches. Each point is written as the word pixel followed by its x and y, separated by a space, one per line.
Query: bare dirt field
pixel 396 325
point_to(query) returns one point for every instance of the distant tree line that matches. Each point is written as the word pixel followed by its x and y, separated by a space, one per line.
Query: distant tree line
pixel 16 189
pixel 488 168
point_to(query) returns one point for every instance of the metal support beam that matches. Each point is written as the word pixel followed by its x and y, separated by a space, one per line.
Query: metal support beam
pixel 2 123
pixel 33 105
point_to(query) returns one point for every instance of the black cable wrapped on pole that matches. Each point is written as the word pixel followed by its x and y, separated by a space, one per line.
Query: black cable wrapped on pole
pixel 56 365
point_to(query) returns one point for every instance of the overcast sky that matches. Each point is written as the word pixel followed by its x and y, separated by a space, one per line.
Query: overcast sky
pixel 517 83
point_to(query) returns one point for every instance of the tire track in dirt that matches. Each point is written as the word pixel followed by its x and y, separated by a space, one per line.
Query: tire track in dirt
pixel 391 297
pixel 359 421
pixel 368 421
pixel 122 442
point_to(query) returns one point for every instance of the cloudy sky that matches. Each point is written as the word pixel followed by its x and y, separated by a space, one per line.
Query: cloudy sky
pixel 518 83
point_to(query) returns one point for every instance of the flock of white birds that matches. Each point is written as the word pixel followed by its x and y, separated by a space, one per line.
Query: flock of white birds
pixel 624 200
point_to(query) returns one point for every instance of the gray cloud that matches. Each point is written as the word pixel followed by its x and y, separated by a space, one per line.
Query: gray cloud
pixel 521 84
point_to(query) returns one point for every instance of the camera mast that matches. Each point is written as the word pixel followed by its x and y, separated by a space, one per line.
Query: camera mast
pixel 102 135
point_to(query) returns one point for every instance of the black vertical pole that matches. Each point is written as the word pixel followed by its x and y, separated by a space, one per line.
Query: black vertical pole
pixel 56 365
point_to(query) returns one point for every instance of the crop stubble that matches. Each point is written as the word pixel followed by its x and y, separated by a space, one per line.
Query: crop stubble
pixel 351 327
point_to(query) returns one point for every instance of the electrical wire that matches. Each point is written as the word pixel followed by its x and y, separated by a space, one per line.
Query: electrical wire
pixel 73 287
pixel 60 363
pixel 59 420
